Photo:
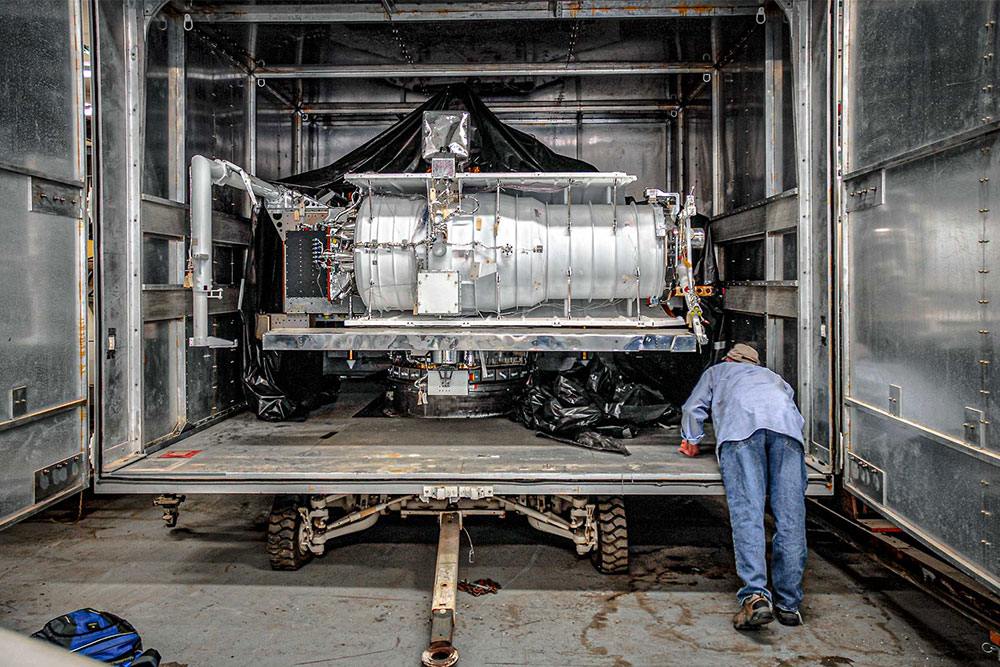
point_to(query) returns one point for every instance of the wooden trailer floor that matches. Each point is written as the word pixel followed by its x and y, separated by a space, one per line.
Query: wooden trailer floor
pixel 335 443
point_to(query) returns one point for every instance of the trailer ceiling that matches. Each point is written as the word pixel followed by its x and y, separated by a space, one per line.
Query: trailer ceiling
pixel 370 11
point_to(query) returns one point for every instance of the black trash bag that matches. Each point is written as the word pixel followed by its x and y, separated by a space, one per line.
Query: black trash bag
pixel 592 401
pixel 287 385
pixel 278 386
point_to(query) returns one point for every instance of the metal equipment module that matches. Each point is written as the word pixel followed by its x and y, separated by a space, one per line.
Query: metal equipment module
pixel 458 274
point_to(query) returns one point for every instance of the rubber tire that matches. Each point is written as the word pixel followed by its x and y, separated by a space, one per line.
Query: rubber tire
pixel 283 528
pixel 611 554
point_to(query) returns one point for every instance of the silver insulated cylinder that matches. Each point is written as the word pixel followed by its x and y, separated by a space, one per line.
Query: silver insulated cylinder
pixel 530 253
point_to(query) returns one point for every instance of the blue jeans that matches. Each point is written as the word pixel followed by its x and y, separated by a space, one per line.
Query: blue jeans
pixel 767 463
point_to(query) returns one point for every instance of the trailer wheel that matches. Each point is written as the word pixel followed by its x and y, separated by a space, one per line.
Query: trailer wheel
pixel 285 536
pixel 611 554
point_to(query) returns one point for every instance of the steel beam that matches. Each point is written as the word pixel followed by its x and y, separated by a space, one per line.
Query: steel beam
pixel 717 206
pixel 518 10
pixel 440 652
pixel 526 339
pixel 297 142
pixel 773 103
pixel 177 166
pixel 250 119
pixel 462 70
pixel 568 108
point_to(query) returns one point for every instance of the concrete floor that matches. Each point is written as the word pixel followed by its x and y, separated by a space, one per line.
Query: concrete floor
pixel 204 596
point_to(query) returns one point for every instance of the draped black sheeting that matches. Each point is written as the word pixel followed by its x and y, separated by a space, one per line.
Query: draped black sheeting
pixel 494 147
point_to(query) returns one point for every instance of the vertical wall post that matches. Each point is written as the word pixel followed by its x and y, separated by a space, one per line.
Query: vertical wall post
pixel 773 103
pixel 250 116
pixel 176 145
pixel 668 133
pixel 177 186
pixel 297 113
pixel 717 206
pixel 579 121
pixel 297 142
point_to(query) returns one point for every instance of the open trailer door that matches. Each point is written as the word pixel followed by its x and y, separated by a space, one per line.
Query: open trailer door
pixel 920 206
pixel 43 326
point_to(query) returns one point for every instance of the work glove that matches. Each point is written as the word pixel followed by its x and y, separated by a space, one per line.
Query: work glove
pixel 689 449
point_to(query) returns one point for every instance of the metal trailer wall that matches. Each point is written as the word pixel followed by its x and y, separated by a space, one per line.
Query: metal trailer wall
pixel 921 162
pixel 43 338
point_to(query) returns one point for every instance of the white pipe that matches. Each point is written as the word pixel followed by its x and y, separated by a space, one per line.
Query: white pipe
pixel 204 174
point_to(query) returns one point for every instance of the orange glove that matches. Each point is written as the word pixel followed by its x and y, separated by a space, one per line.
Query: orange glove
pixel 689 449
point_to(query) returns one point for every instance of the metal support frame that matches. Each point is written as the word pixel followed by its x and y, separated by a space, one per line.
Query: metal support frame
pixel 250 119
pixel 440 652
pixel 297 148
pixel 773 102
pixel 297 113
pixel 176 111
pixel 465 11
pixel 134 105
pixel 568 108
pixel 319 71
pixel 717 204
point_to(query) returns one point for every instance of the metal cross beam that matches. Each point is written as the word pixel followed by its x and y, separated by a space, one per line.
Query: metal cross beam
pixel 470 11
pixel 637 106
pixel 462 70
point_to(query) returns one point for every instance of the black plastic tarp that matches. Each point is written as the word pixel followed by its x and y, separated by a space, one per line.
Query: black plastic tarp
pixel 287 385
pixel 593 396
pixel 494 146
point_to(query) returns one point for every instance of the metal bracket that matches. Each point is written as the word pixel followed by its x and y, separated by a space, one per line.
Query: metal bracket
pixel 866 478
pixel 895 400
pixel 865 192
pixel 454 493
pixel 213 342
pixel 18 402
pixel 171 504
pixel 975 427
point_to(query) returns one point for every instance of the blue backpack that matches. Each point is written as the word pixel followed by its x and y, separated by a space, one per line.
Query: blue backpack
pixel 99 635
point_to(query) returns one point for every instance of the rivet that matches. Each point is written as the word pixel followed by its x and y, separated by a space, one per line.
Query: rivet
pixel 984 240
pixel 984 331
pixel 984 270
pixel 984 362
pixel 984 180
pixel 984 301
pixel 984 210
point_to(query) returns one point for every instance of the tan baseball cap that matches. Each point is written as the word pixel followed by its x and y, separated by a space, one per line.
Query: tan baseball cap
pixel 745 353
